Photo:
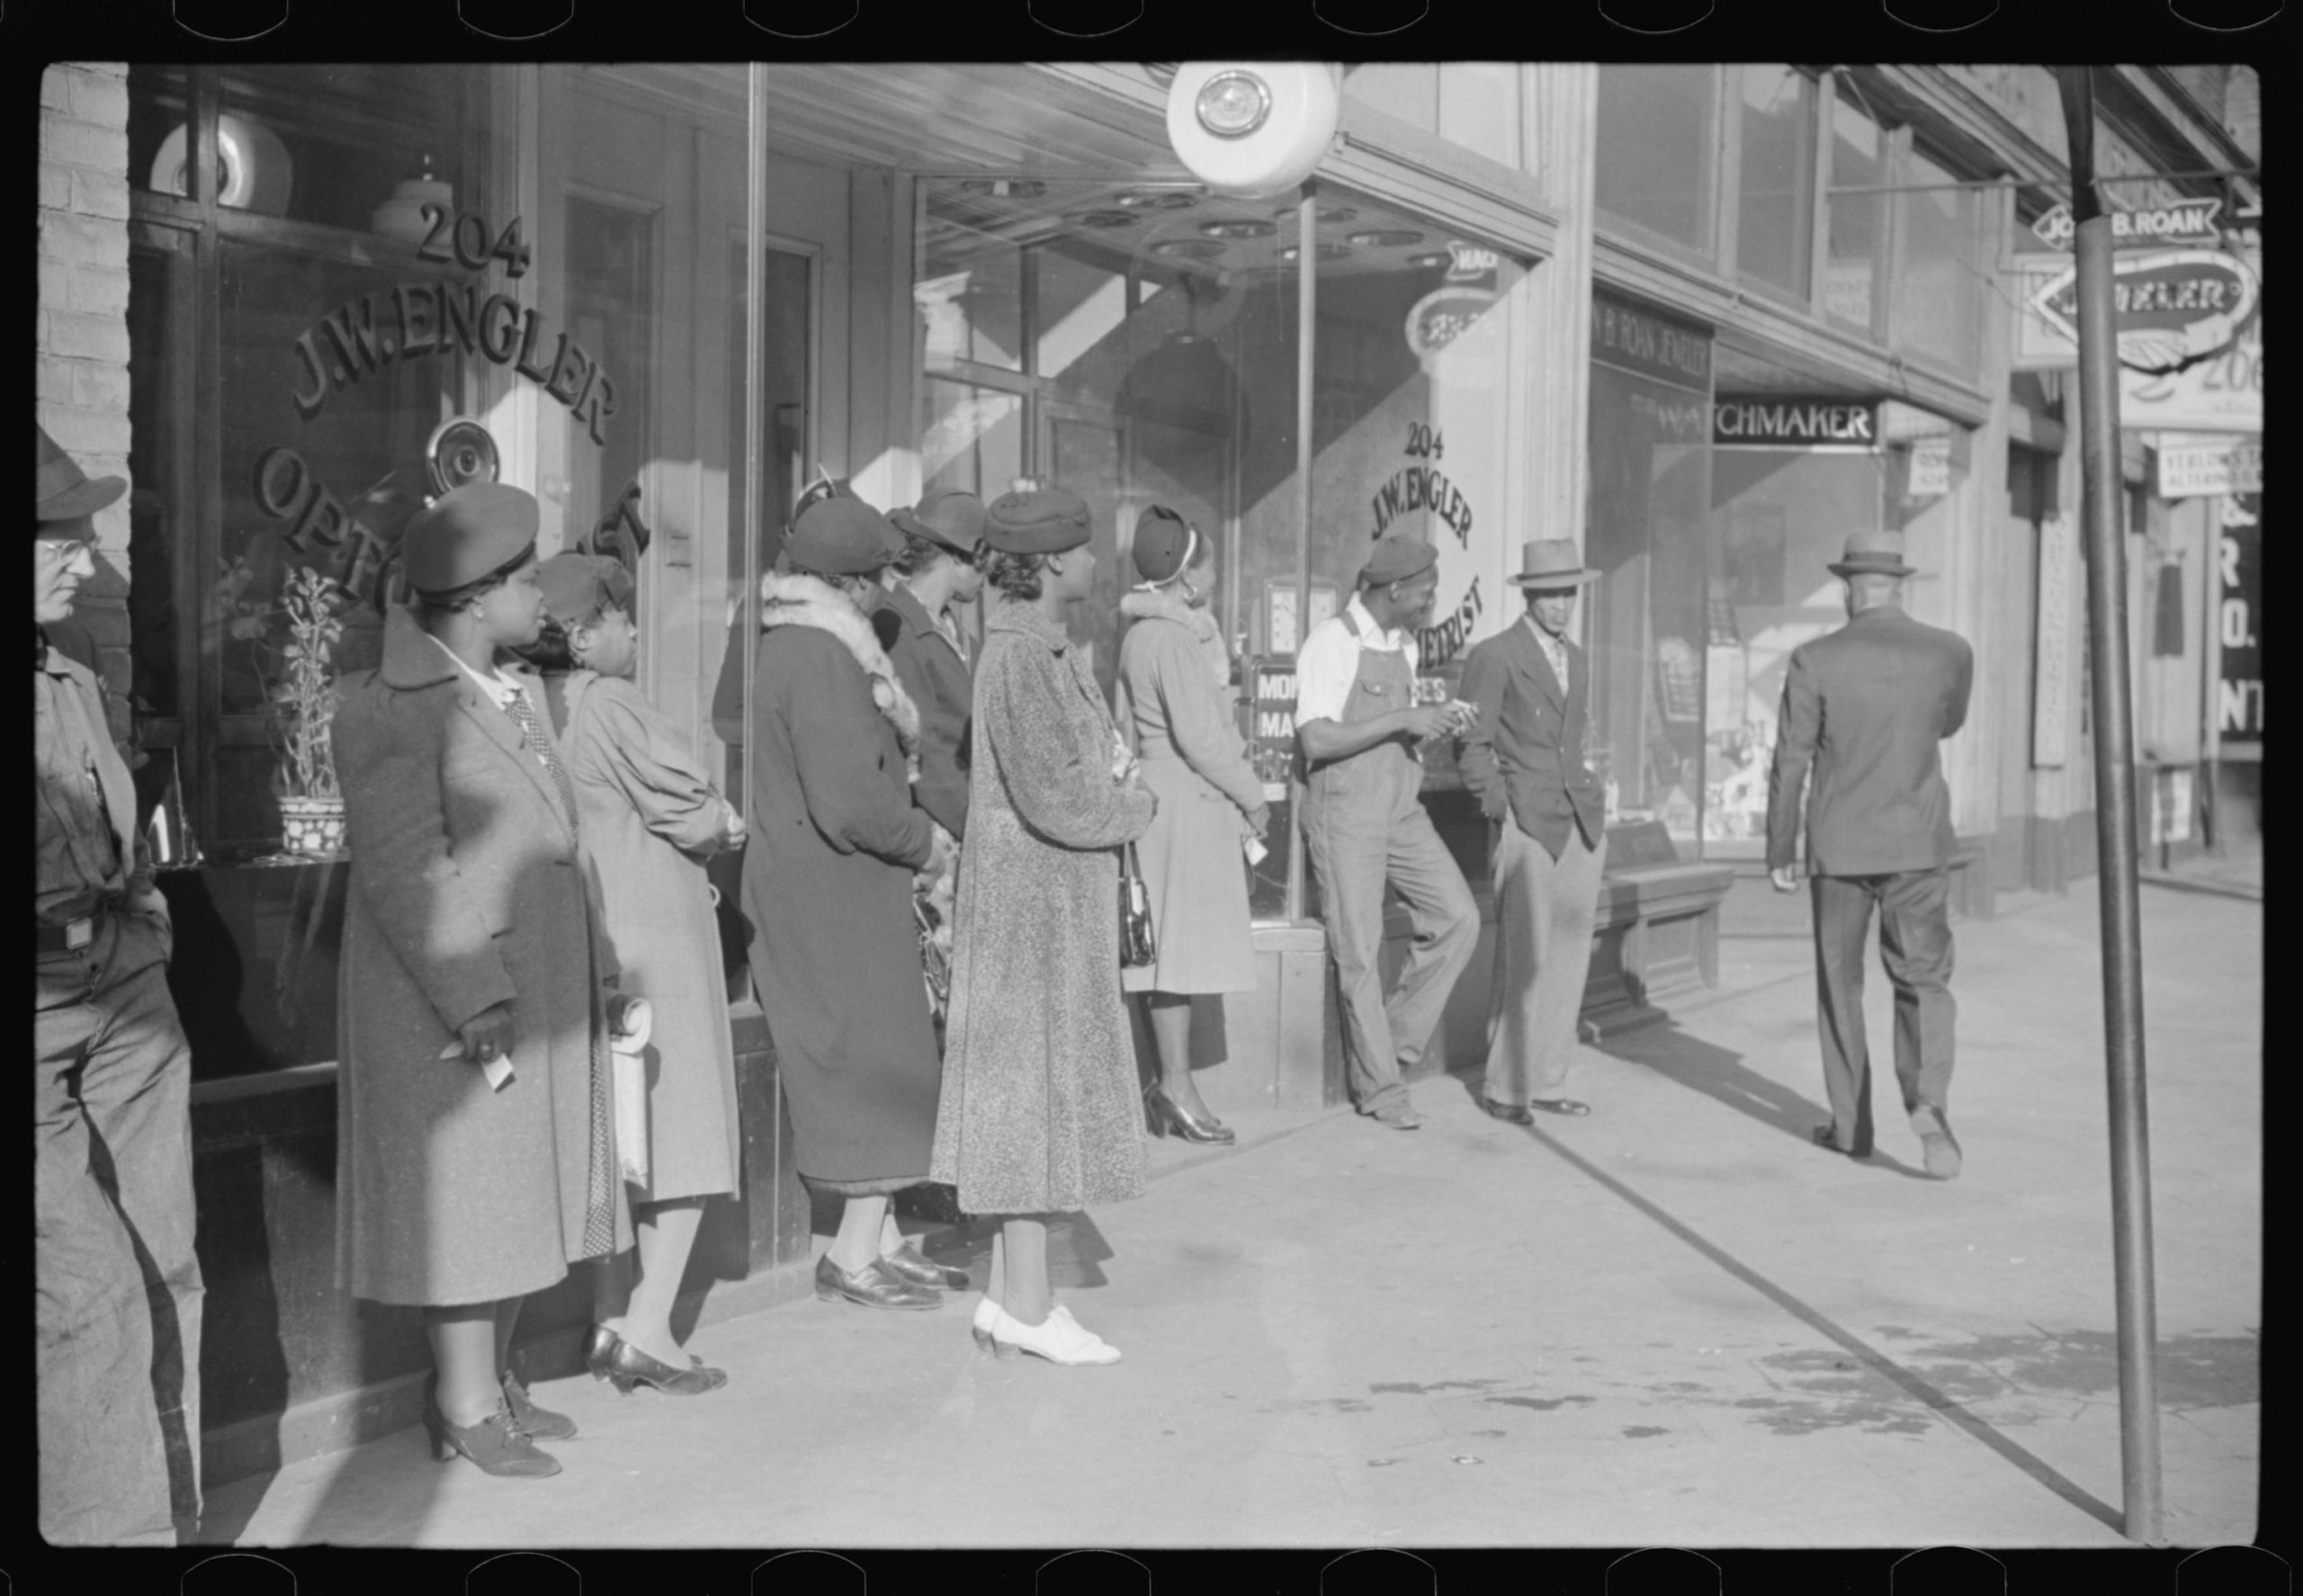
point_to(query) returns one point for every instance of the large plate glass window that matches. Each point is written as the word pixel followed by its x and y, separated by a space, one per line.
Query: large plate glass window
pixel 1658 138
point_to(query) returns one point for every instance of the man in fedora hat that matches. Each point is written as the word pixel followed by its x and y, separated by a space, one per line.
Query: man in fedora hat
pixel 1357 724
pixel 1866 706
pixel 116 1284
pixel 1524 758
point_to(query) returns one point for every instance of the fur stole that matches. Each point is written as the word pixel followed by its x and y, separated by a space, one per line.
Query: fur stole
pixel 797 600
pixel 1160 603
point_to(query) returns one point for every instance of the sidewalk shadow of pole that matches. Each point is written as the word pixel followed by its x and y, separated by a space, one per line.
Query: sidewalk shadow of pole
pixel 2036 1468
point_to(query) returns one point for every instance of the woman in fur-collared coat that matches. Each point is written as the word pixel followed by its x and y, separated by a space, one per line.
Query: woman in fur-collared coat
pixel 836 845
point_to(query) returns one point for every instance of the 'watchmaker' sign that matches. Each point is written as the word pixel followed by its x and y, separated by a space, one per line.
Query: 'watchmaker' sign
pixel 1790 421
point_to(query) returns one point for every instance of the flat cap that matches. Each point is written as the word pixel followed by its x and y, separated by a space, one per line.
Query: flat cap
pixel 840 536
pixel 1042 521
pixel 64 492
pixel 1397 557
pixel 1165 544
pixel 468 533
pixel 953 519
pixel 576 587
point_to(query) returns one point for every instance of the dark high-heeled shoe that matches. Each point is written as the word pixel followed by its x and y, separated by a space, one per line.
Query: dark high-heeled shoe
pixel 1168 1114
pixel 497 1443
pixel 539 1422
pixel 599 1350
pixel 625 1365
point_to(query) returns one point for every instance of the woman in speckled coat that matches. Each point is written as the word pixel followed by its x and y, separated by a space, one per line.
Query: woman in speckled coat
pixel 1039 1111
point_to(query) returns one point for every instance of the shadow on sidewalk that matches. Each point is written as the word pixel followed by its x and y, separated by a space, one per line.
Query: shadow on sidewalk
pixel 1911 1383
pixel 1720 1074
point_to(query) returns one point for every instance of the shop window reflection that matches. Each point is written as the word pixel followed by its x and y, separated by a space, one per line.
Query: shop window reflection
pixel 1656 146
pixel 1775 198
pixel 1940 275
pixel 1857 222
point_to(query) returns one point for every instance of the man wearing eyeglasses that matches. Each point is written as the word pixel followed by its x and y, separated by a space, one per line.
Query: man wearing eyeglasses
pixel 117 1286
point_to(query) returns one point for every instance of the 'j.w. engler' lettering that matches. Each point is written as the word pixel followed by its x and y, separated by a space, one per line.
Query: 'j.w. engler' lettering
pixel 366 336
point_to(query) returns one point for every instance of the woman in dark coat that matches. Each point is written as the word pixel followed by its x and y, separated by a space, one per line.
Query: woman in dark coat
pixel 836 847
pixel 650 817
pixel 1040 1113
pixel 1175 681
pixel 475 1152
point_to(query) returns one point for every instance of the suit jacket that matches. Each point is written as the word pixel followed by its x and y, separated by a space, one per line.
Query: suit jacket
pixel 1526 752
pixel 941 687
pixel 1867 706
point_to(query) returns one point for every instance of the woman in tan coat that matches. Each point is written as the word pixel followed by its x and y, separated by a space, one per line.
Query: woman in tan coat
pixel 1175 682
pixel 1039 1113
pixel 650 817
pixel 475 1147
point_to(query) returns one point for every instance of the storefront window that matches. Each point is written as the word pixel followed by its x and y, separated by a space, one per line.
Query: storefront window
pixel 1648 628
pixel 1163 368
pixel 1858 221
pixel 1940 283
pixel 1473 104
pixel 1657 138
pixel 1775 202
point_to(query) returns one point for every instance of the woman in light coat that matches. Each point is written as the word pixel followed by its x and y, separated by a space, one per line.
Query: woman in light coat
pixel 1040 1113
pixel 475 1152
pixel 650 817
pixel 1175 689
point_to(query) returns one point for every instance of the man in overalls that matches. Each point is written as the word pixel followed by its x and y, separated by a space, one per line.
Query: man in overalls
pixel 1357 724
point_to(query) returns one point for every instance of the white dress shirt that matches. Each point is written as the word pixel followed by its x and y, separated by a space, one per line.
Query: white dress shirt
pixel 1329 661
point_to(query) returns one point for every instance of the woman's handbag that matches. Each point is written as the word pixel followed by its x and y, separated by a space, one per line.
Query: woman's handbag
pixel 1136 947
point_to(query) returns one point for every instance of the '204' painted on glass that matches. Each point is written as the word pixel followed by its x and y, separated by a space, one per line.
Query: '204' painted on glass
pixel 462 238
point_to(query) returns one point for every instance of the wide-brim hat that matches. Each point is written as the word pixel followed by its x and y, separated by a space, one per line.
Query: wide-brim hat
pixel 1037 521
pixel 63 490
pixel 953 520
pixel 1551 562
pixel 1397 557
pixel 469 533
pixel 576 587
pixel 1872 554
pixel 841 537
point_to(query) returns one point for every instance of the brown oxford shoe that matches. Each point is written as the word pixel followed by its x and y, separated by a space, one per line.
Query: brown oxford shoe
pixel 871 1287
pixel 908 1264
pixel 1509 1113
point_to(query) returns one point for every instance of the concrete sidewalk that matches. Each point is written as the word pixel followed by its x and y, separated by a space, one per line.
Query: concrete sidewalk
pixel 1672 1322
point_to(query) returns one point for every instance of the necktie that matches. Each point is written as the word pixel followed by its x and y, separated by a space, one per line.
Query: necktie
pixel 599 1187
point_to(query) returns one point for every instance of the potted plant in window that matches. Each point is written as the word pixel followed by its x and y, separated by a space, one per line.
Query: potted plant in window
pixel 311 804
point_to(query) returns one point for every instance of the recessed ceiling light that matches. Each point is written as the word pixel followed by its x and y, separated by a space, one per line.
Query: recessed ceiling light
pixel 1334 215
pixel 1197 249
pixel 1327 252
pixel 1238 228
pixel 1099 219
pixel 1429 260
pixel 1385 238
pixel 1158 199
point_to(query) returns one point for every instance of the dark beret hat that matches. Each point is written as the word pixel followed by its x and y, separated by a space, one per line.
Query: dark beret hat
pixel 467 534
pixel 1163 543
pixel 840 536
pixel 579 586
pixel 1042 521
pixel 1397 557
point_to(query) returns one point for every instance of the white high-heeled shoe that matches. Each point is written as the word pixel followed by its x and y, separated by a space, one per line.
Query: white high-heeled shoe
pixel 1061 1339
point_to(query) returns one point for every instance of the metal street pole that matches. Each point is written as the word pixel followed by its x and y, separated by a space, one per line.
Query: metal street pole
pixel 2115 840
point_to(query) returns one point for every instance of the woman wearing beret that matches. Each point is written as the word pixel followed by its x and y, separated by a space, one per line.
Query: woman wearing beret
pixel 650 818
pixel 475 1146
pixel 1175 681
pixel 1040 1113
pixel 837 847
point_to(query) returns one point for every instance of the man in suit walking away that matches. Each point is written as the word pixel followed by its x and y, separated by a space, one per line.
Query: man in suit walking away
pixel 1867 706
pixel 1524 758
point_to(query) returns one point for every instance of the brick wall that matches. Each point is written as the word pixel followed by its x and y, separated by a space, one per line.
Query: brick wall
pixel 81 331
